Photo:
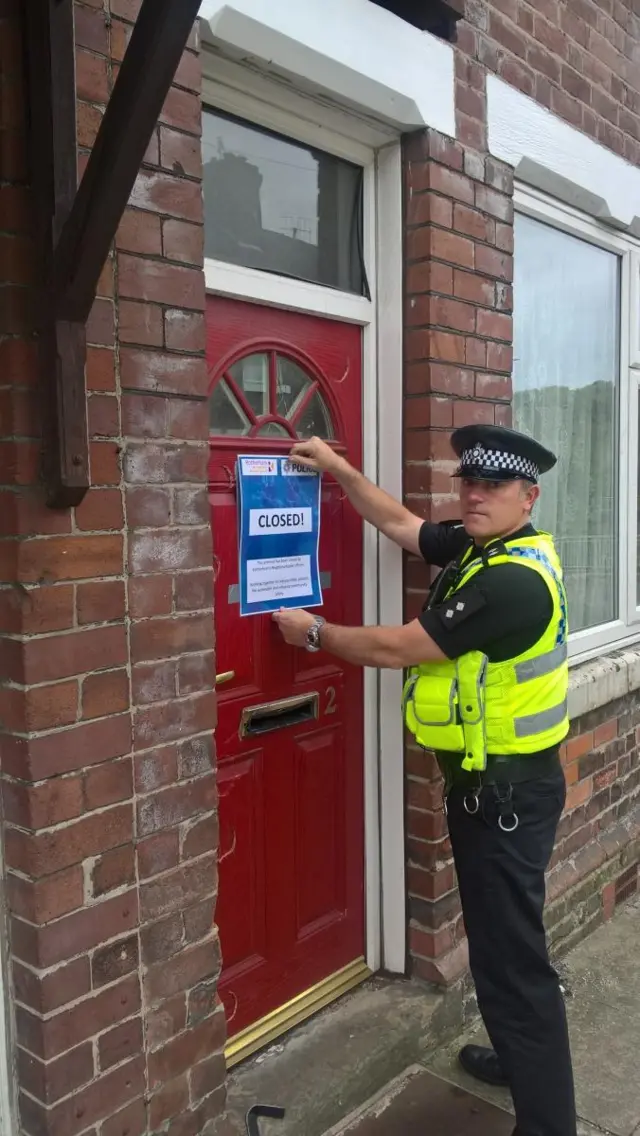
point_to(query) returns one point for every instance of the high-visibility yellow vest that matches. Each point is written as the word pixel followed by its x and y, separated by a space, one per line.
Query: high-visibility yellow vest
pixel 472 707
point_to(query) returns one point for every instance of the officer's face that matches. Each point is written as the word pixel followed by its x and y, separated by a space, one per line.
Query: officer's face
pixel 495 508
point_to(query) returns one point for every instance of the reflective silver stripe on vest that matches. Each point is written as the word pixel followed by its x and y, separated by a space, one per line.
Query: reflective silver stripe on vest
pixel 539 723
pixel 542 665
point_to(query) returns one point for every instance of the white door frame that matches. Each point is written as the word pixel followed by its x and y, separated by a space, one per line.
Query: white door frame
pixel 240 91
pixel 7 1031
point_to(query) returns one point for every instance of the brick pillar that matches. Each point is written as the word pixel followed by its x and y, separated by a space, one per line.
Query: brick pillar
pixel 107 668
pixel 458 357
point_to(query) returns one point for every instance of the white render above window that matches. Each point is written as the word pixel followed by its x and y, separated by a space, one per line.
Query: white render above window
pixel 352 52
pixel 550 155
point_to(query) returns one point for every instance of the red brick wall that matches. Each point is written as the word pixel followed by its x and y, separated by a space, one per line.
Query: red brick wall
pixel 595 866
pixel 106 652
pixel 458 304
pixel 602 815
pixel 577 57
pixel 458 356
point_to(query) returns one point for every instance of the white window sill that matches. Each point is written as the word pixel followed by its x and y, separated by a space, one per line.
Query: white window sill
pixel 602 680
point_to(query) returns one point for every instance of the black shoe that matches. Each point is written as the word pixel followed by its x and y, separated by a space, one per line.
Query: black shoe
pixel 483 1064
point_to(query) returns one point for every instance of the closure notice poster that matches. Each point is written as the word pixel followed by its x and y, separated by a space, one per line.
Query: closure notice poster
pixel 279 521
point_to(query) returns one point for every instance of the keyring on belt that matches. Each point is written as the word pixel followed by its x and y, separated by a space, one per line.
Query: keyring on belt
pixel 471 801
pixel 506 812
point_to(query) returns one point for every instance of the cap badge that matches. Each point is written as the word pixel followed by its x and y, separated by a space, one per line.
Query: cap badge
pixel 478 454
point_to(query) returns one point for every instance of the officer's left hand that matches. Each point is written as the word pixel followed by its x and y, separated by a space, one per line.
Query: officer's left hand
pixel 294 625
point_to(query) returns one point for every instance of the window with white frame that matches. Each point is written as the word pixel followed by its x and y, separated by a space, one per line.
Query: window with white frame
pixel 280 205
pixel 576 389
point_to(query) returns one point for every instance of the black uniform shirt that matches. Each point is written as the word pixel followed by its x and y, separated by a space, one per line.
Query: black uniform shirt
pixel 507 607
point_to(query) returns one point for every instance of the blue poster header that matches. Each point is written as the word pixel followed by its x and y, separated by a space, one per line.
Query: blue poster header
pixel 279 534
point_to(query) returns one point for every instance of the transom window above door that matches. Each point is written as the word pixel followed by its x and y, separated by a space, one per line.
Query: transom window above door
pixel 279 205
pixel 267 394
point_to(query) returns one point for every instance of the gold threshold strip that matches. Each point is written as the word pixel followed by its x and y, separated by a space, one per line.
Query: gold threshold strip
pixel 297 1010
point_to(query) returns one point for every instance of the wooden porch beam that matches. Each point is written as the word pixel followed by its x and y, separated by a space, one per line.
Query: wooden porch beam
pixel 157 42
pixel 76 226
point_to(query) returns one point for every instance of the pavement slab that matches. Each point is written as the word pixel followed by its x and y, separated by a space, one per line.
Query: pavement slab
pixel 419 1102
pixel 603 1006
pixel 602 976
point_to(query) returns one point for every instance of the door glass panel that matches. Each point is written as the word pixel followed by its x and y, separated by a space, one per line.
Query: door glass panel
pixel 292 382
pixel 276 204
pixel 273 430
pixel 252 377
pixel 226 416
pixel 315 419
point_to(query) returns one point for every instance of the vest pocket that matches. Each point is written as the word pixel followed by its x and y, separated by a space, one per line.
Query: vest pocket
pixel 432 711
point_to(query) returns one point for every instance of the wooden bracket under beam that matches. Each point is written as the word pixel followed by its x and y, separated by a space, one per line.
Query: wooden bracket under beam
pixel 77 226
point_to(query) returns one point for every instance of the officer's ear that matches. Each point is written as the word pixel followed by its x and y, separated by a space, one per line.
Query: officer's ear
pixel 530 494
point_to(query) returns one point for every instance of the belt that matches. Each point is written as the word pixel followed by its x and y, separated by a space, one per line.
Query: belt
pixel 501 769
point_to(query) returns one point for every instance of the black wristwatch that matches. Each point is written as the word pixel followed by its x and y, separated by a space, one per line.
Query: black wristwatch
pixel 313 634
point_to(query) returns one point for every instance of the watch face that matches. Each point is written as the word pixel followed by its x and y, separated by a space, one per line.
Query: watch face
pixel 313 638
pixel 313 634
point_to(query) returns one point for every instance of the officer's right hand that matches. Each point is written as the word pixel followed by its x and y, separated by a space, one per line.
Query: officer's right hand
pixel 317 455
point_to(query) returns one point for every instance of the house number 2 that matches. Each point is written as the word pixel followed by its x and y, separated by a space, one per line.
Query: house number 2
pixel 331 700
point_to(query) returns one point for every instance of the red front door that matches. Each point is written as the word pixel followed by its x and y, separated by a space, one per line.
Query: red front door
pixel 291 894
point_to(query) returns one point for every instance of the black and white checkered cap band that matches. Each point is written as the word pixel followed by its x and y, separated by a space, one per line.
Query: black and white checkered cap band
pixel 498 461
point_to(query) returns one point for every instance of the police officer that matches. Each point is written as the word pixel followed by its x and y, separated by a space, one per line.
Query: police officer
pixel 487 690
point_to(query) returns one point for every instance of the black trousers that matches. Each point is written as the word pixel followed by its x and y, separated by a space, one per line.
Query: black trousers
pixel 501 876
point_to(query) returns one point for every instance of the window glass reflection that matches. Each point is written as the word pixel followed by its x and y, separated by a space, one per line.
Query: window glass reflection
pixel 566 380
pixel 276 204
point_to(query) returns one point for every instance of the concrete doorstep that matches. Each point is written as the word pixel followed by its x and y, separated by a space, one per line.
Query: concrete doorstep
pixel 383 1061
pixel 332 1064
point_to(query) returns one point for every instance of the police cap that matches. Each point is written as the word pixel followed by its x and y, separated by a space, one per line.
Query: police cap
pixel 495 453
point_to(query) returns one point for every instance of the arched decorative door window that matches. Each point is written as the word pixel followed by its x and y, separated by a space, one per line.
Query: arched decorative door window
pixel 268 394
